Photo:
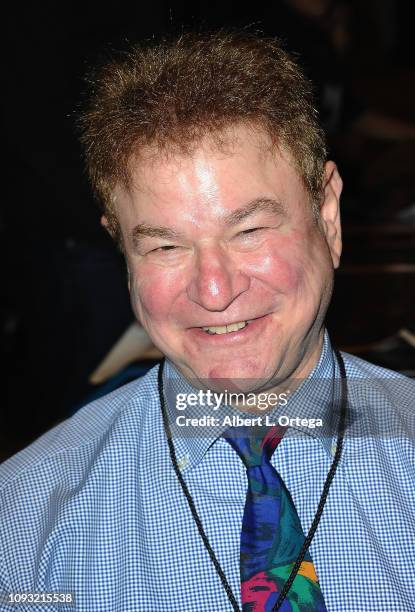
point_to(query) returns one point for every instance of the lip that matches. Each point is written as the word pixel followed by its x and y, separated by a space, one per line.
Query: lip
pixel 242 335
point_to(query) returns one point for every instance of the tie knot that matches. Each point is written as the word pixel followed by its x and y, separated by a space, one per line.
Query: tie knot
pixel 254 446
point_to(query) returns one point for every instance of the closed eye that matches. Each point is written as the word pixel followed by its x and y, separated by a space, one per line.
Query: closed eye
pixel 166 247
pixel 251 230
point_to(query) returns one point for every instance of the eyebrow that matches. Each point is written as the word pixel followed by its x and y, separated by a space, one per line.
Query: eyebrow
pixel 145 230
pixel 258 205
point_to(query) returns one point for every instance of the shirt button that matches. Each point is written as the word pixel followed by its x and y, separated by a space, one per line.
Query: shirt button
pixel 183 462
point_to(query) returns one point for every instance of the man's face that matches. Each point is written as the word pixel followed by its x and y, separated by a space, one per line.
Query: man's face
pixel 219 239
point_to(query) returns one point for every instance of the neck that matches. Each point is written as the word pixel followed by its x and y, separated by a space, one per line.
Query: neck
pixel 262 401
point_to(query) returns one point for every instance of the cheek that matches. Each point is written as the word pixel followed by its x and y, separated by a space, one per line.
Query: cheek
pixel 308 271
pixel 153 292
pixel 282 265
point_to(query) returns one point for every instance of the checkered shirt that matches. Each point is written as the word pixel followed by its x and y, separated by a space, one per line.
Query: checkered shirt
pixel 94 506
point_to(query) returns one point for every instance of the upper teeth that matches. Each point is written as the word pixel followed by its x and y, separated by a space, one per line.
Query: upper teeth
pixel 224 329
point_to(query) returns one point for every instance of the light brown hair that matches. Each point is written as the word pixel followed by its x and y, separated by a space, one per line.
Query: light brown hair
pixel 171 94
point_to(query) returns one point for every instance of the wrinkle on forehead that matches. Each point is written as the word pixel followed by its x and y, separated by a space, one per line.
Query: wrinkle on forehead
pixel 202 184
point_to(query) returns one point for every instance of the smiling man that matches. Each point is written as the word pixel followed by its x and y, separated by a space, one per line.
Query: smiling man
pixel 215 239
pixel 211 167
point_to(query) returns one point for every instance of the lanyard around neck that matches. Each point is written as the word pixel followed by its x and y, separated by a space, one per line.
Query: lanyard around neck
pixel 320 507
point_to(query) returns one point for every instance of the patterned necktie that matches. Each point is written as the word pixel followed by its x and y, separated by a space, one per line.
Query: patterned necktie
pixel 272 535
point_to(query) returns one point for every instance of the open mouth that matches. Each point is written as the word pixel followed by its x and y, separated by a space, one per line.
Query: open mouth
pixel 233 334
pixel 216 330
pixel 226 329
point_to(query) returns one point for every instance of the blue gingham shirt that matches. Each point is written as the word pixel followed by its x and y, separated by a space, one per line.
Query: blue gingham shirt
pixel 94 507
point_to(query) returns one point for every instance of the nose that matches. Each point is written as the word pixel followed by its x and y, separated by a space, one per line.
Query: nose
pixel 216 280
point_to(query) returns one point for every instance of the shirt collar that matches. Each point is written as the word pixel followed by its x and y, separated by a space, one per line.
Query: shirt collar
pixel 317 397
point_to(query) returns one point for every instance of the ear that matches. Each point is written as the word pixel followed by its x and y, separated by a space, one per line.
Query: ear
pixel 105 223
pixel 109 226
pixel 330 211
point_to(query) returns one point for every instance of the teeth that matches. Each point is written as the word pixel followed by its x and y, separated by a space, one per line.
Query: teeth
pixel 224 329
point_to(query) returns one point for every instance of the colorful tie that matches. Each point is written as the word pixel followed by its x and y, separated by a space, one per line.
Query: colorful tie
pixel 272 535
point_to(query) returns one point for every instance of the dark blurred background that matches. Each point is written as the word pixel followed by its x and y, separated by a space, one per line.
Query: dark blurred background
pixel 64 296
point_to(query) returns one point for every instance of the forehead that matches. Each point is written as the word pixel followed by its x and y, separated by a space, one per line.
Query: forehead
pixel 218 175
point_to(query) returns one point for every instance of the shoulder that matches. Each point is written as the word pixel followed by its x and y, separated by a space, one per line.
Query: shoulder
pixel 68 480
pixel 372 377
pixel 73 443
pixel 381 396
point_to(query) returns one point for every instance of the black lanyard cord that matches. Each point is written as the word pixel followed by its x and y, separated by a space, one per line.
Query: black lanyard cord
pixel 316 520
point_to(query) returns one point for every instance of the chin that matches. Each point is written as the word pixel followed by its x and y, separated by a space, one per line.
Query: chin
pixel 244 376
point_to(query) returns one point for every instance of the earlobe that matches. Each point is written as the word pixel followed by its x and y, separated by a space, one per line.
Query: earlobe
pixel 330 211
pixel 108 226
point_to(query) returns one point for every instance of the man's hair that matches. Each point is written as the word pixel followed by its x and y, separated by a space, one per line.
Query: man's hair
pixel 171 94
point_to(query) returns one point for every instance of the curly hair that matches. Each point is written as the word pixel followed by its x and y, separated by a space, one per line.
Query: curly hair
pixel 172 93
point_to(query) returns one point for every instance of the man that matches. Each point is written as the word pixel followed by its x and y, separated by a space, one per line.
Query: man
pixel 212 170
